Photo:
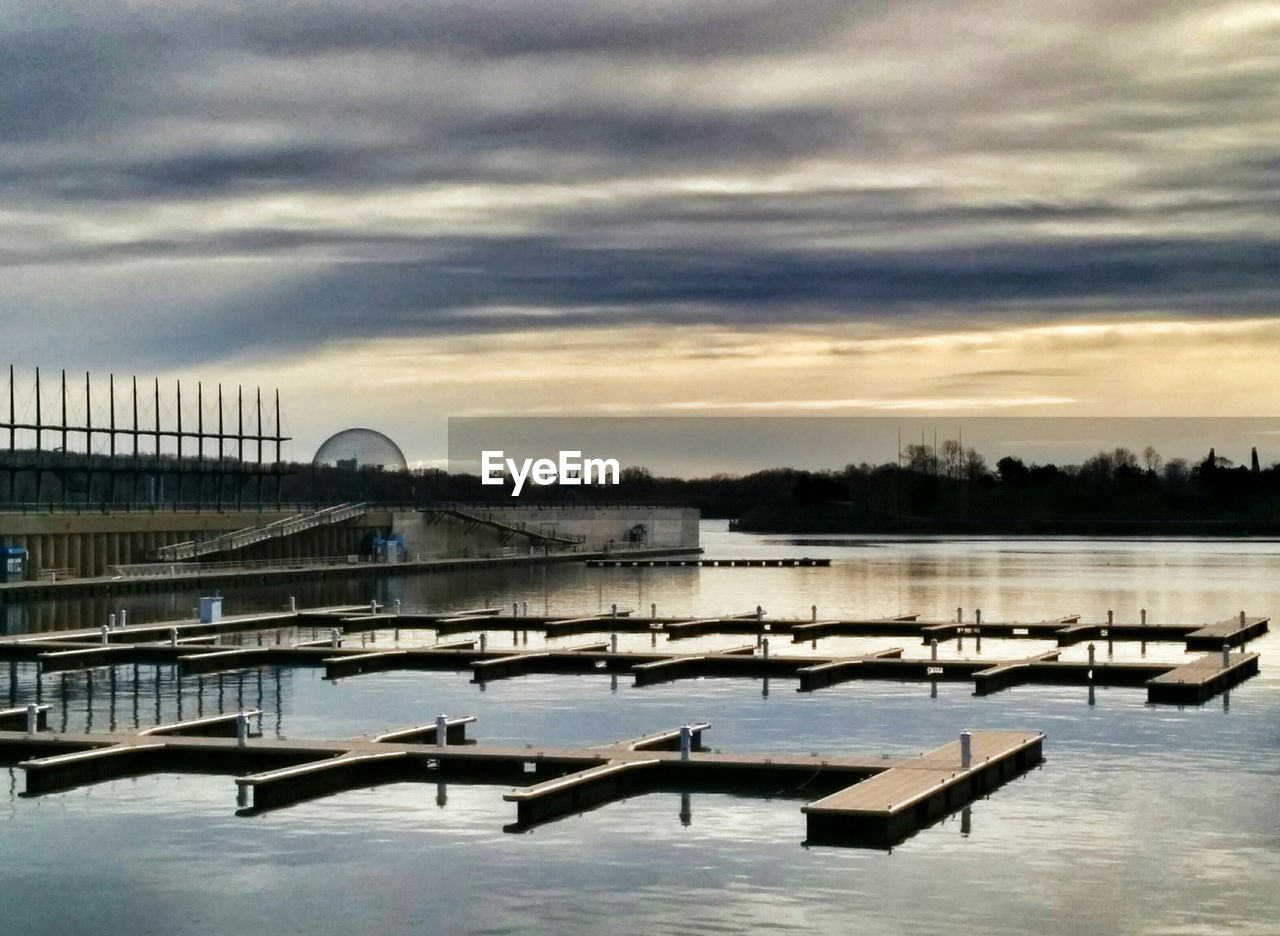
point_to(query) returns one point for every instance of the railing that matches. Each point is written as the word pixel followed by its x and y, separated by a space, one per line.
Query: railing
pixel 179 569
pixel 239 539
pixel 512 526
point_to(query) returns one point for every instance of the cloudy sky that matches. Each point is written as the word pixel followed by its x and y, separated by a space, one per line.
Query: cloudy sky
pixel 397 212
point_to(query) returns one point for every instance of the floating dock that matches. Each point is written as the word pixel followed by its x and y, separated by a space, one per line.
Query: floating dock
pixel 864 801
pixel 260 641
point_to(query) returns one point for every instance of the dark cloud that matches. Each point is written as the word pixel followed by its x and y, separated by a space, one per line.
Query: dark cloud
pixel 723 162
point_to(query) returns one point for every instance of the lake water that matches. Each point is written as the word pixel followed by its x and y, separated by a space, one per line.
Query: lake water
pixel 1141 820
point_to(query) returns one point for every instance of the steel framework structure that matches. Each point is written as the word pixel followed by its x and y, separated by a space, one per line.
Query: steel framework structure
pixel 203 466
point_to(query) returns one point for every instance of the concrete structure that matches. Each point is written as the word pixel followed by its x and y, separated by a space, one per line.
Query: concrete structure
pixel 65 544
pixel 441 534
pixel 88 544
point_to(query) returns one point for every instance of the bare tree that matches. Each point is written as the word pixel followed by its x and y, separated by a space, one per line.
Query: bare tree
pixel 1151 458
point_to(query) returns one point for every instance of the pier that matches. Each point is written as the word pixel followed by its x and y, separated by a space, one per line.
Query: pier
pixel 863 801
pixel 260 640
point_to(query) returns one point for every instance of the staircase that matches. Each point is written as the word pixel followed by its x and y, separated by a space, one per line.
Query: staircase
pixel 239 539
pixel 508 528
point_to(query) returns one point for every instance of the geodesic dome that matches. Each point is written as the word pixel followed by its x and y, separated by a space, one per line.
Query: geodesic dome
pixel 354 449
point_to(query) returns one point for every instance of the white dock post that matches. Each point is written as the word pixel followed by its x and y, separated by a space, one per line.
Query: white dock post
pixel 373 605
pixel 173 637
pixel 111 621
pixel 613 611
pixel 933 648
pixel 524 608
pixel 813 613
pixel 484 642
pixel 442 731
pixel 397 607
pixel 1226 654
pixel 764 649
pixel 515 609
pixel 1143 615
pixel 966 749
pixel 959 615
pixel 293 603
pixel 124 618
pixel 105 638
pixel 686 741
pixel 242 729
pixel 335 637
pixel 613 643
pixel 33 718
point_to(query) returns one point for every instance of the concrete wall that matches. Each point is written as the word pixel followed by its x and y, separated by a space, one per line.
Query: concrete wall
pixel 90 543
pixel 440 536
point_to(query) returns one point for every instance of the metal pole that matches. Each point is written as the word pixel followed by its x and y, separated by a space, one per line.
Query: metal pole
pixel 966 749
pixel 686 741
pixel 442 731
pixel 242 729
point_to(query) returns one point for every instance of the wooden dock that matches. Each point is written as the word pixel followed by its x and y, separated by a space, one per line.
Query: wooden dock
pixel 259 643
pixel 889 806
pixel 864 801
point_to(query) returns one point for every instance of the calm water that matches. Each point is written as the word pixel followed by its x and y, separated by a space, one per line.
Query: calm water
pixel 1145 820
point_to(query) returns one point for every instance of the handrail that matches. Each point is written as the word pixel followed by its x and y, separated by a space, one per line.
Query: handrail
pixel 238 539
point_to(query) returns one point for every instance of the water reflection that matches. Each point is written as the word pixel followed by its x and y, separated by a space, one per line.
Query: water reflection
pixel 1130 797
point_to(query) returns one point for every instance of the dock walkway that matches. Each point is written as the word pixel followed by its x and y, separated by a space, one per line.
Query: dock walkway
pixel 873 801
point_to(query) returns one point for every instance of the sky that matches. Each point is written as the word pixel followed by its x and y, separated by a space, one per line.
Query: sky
pixel 400 212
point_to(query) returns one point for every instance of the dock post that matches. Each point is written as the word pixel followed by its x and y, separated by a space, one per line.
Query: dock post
pixel 686 741
pixel 124 618
pixel 759 614
pixel 1242 619
pixel 484 642
pixel 959 615
pixel 1091 656
pixel 764 649
pixel 442 731
pixel 397 607
pixel 33 718
pixel 373 605
pixel 977 617
pixel 613 611
pixel 242 729
pixel 933 648
pixel 515 609
pixel 1143 615
pixel 335 637
pixel 105 638
pixel 813 613
pixel 293 603
pixel 1226 654
pixel 111 621
pixel 613 643
pixel 966 750
pixel 653 609
pixel 173 637
pixel 1111 618
pixel 524 608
